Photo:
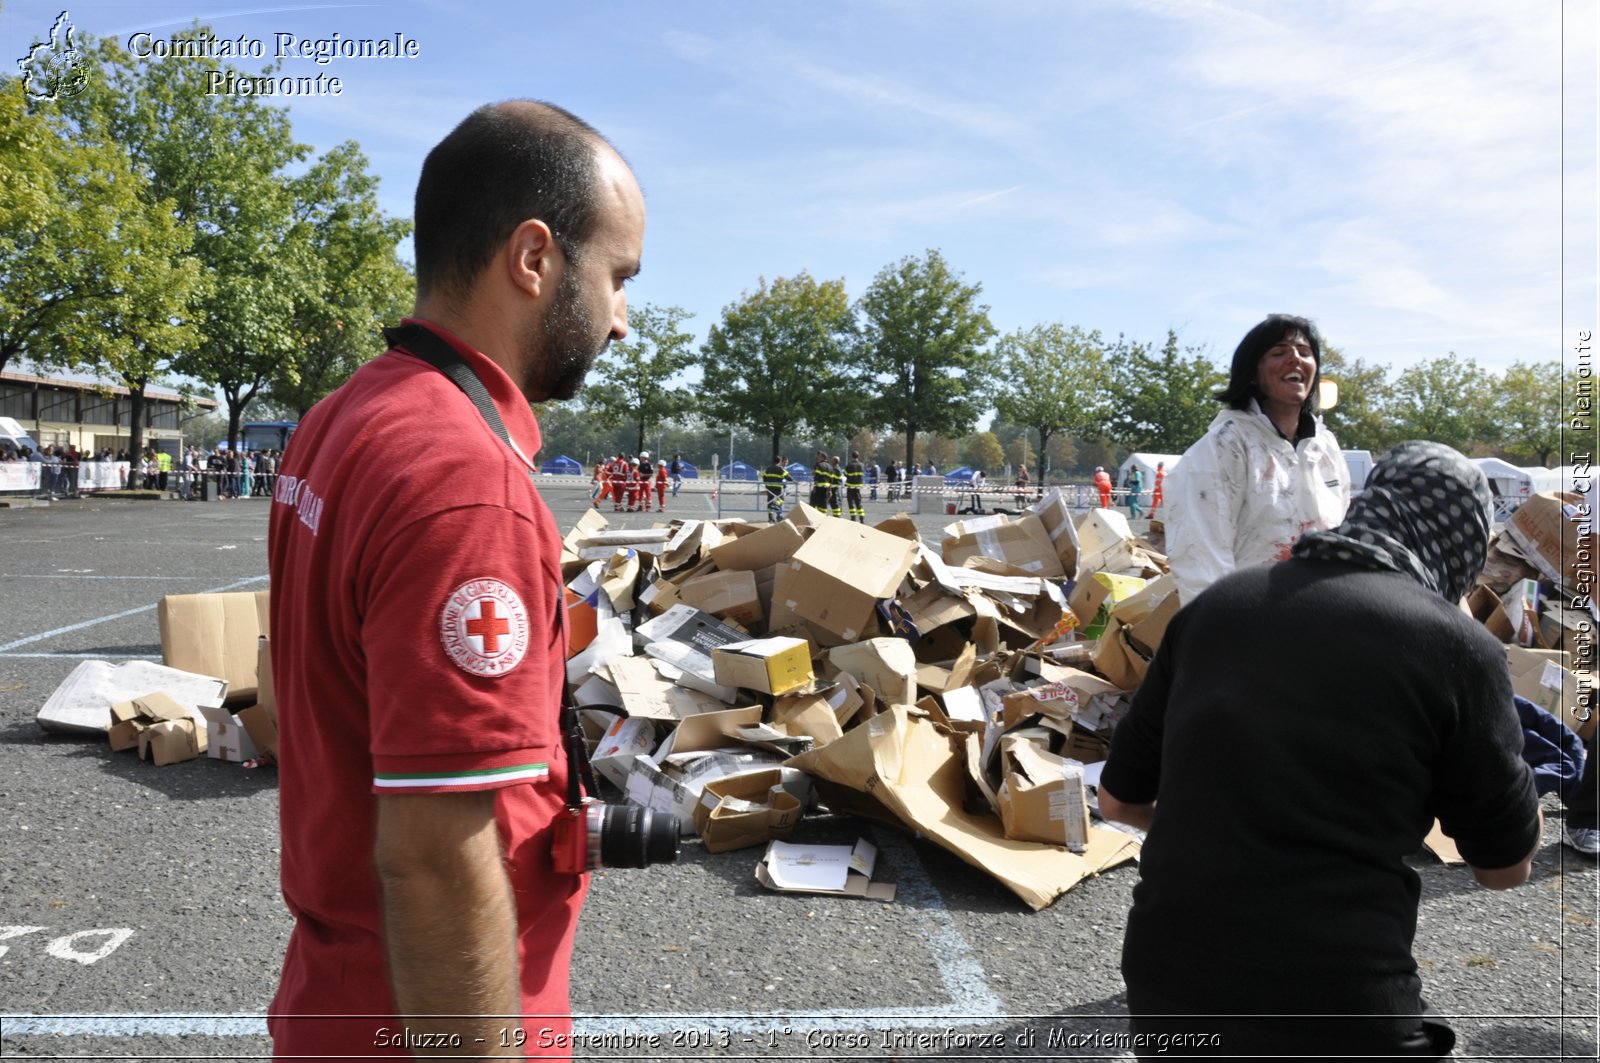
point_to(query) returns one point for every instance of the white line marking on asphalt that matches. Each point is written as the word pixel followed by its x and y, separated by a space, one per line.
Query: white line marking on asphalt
pixel 31 639
pixel 971 1001
pixel 78 575
pixel 80 656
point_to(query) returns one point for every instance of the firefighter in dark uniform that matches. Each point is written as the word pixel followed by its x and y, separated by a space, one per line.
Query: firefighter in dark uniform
pixel 821 474
pixel 855 475
pixel 773 478
pixel 835 482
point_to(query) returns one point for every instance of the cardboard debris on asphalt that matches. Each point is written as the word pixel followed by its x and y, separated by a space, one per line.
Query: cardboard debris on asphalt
pixel 741 676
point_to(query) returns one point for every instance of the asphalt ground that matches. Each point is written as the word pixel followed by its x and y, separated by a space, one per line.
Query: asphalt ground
pixel 140 915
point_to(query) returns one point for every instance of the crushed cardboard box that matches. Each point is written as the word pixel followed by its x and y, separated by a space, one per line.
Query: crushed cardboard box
pixel 162 730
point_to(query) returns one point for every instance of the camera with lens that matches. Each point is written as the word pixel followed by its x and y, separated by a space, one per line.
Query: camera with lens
pixel 596 834
pixel 590 833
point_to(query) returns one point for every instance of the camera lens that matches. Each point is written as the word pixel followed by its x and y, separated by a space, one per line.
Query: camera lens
pixel 631 836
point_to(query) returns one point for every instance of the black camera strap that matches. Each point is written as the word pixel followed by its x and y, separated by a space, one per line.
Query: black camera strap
pixel 426 344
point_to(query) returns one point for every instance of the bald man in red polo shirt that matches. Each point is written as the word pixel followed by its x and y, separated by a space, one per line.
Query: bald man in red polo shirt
pixel 418 649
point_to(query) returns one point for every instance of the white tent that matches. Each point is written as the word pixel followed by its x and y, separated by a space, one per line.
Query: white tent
pixel 1513 484
pixel 1146 464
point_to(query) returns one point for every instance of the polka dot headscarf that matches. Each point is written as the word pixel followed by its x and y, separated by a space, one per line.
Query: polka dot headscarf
pixel 1425 512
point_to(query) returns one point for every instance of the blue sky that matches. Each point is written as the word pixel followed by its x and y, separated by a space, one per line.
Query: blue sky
pixel 1410 175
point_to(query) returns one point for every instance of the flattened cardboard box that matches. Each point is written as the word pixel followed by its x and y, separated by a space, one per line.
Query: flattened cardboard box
pixel 215 634
pixel 1023 543
pixel 838 870
pixel 1556 533
pixel 1542 676
pixel 899 768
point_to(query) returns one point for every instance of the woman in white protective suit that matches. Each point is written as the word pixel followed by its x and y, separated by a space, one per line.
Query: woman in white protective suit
pixel 1267 470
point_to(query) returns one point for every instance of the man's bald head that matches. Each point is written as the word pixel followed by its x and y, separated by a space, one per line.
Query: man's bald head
pixel 506 163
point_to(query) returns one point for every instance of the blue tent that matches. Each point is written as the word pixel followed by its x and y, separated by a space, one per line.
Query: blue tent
pixel 959 476
pixel 739 471
pixel 687 471
pixel 562 466
pixel 799 473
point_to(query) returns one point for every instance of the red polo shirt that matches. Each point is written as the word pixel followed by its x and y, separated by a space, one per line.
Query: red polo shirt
pixel 417 647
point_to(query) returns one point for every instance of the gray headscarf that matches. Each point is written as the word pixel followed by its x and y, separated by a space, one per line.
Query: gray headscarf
pixel 1425 511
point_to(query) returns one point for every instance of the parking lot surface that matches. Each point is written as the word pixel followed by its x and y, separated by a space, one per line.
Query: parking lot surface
pixel 140 914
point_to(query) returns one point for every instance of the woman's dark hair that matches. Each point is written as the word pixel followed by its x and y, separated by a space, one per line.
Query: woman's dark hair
pixel 504 164
pixel 1242 377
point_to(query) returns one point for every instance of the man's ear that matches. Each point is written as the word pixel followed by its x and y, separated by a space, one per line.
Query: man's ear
pixel 532 257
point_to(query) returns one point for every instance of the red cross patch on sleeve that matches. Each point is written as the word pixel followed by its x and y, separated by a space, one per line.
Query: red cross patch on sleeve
pixel 484 627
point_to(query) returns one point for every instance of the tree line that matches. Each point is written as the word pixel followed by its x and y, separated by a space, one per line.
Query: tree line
pixel 909 369
pixel 151 231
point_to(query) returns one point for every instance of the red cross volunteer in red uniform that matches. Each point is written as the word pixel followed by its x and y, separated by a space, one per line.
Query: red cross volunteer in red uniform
pixel 417 641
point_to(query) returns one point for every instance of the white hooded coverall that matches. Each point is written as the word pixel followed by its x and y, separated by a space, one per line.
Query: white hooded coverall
pixel 1243 494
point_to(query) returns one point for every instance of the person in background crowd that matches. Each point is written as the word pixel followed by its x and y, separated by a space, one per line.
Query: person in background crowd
pixel 676 469
pixel 773 479
pixel 609 474
pixel 1135 485
pixel 1022 485
pixel 874 474
pixel 69 471
pixel 979 482
pixel 1303 909
pixel 820 475
pixel 163 469
pixel 1102 483
pixel 417 625
pixel 1267 470
pixel 246 474
pixel 1156 496
pixel 217 471
pixel 855 475
pixel 663 475
pixel 891 477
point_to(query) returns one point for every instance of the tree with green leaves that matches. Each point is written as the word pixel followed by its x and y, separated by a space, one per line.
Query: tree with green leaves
pixel 781 361
pixel 355 283
pixel 1530 410
pixel 924 337
pixel 1052 379
pixel 1160 402
pixel 1446 400
pixel 94 268
pixel 632 383
pixel 223 159
pixel 1358 419
pixel 214 161
pixel 983 451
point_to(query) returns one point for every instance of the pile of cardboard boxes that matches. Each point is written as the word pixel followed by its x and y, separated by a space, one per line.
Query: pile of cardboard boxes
pixel 1536 595
pixel 737 675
